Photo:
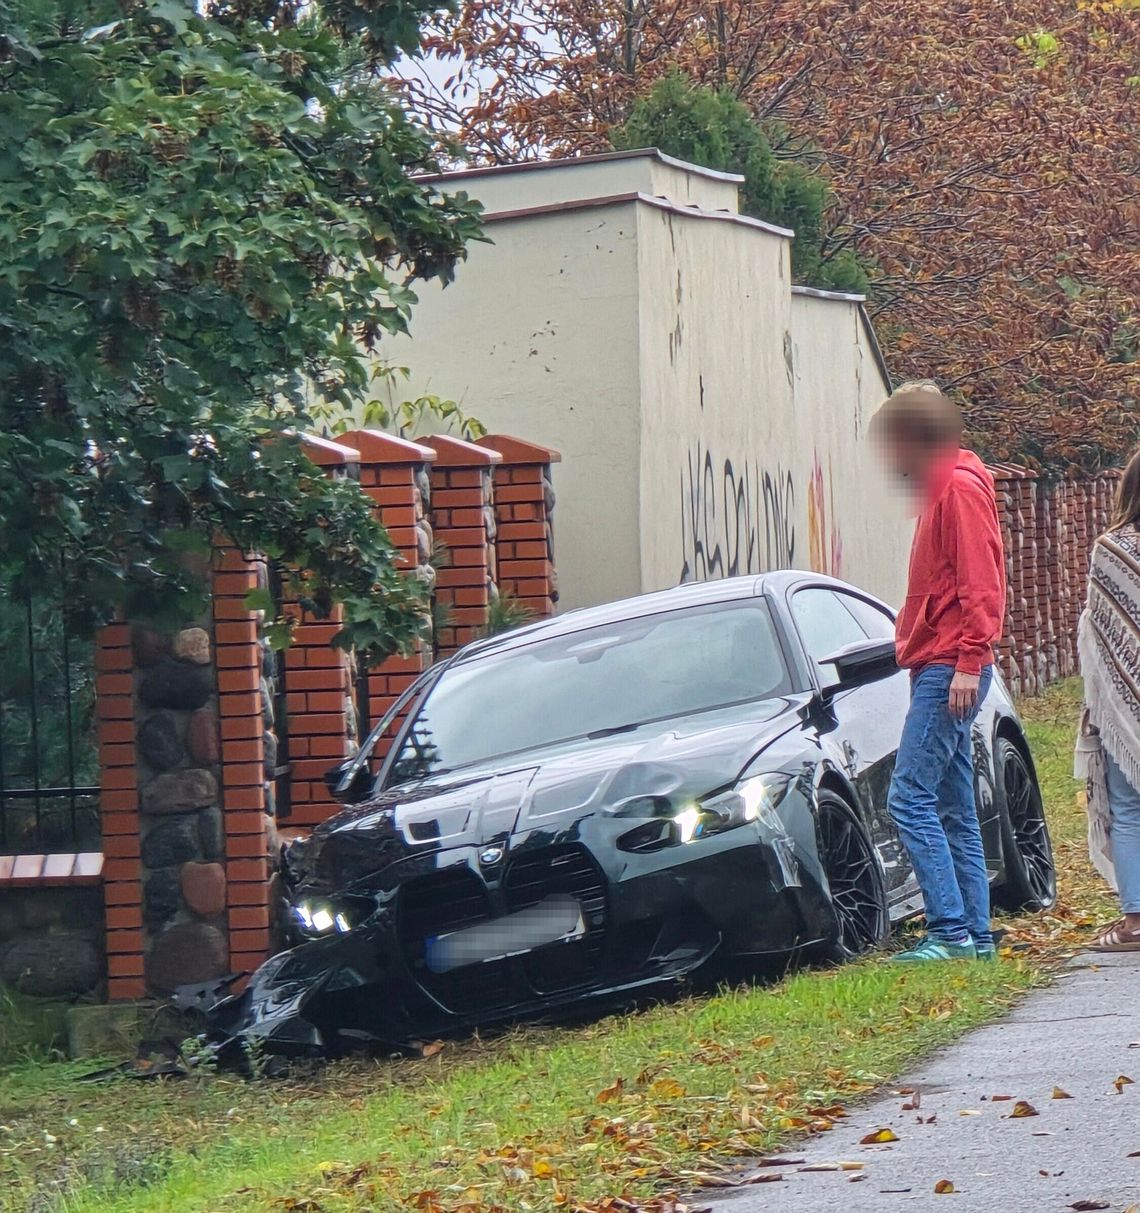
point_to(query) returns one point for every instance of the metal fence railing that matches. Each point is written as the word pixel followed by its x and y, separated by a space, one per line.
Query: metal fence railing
pixel 49 767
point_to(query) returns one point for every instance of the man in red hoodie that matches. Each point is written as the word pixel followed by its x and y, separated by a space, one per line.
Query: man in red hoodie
pixel 945 633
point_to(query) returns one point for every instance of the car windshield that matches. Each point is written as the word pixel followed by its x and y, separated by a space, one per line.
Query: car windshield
pixel 591 683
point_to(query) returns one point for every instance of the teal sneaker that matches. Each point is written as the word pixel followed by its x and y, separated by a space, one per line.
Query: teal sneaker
pixel 930 949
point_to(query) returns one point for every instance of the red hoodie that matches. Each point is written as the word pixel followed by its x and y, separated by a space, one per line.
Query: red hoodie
pixel 955 604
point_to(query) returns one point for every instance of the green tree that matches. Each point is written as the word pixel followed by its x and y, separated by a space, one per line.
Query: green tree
pixel 206 225
pixel 713 127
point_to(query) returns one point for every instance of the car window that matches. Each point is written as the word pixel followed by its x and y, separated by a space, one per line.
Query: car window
pixel 604 679
pixel 824 622
pixel 876 622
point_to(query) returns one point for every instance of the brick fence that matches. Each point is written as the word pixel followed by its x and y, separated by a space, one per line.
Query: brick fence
pixel 1048 528
pixel 211 743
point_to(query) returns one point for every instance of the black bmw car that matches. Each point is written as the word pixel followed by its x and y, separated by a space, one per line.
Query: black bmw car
pixel 616 798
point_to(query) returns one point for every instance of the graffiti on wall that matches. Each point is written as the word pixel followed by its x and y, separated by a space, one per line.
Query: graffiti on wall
pixel 735 518
pixel 825 544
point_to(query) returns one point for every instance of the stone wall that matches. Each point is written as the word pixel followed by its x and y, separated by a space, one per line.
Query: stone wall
pixel 182 850
pixel 52 941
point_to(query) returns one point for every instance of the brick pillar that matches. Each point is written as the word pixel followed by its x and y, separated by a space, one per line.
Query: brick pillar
pixel 1025 571
pixel 318 681
pixel 395 475
pixel 119 802
pixel 463 520
pixel 1047 581
pixel 524 506
pixel 1007 646
pixel 239 735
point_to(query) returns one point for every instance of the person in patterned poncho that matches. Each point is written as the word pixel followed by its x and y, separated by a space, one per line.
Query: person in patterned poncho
pixel 1108 751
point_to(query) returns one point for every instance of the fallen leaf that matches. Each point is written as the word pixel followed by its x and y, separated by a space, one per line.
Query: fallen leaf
pixel 1022 1109
pixel 431 1048
pixel 610 1092
pixel 888 1191
pixel 666 1088
pixel 1000 1098
pixel 762 1042
pixel 944 1187
pixel 856 1179
pixel 1060 1093
pixel 969 1112
pixel 878 1138
pixel 1087 1206
pixel 712 1179
pixel 1134 1154
pixel 542 1168
pixel 1121 1082
pixel 913 1103
pixel 833 1166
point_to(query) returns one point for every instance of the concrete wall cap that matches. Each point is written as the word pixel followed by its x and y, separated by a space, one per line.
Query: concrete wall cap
pixel 380 447
pixel 327 453
pixel 518 450
pixel 454 452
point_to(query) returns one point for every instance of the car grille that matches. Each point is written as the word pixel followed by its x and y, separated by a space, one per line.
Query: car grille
pixel 446 901
pixel 454 898
pixel 567 869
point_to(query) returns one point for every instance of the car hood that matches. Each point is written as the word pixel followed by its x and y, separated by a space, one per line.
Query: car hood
pixel 550 790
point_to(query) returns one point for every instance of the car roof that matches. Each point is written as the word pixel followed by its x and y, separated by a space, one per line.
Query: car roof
pixel 701 593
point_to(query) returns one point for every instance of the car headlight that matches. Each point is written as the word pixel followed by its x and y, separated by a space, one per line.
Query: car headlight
pixel 318 918
pixel 751 800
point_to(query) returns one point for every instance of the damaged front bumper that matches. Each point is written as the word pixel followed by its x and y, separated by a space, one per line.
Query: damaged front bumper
pixel 447 945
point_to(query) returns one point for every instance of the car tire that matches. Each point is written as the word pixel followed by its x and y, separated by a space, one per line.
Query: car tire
pixel 856 888
pixel 1027 852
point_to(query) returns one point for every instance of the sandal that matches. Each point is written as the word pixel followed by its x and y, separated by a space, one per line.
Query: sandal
pixel 1116 938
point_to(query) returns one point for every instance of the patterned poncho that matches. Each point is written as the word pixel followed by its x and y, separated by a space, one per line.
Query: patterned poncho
pixel 1110 648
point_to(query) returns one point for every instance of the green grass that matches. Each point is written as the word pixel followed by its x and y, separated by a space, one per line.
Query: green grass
pixel 535 1120
pixel 497 1116
pixel 31 1029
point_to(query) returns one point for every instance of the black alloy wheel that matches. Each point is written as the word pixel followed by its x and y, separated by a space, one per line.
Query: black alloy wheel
pixel 1030 877
pixel 855 879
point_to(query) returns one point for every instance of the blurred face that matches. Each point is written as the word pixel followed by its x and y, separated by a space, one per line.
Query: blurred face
pixel 907 457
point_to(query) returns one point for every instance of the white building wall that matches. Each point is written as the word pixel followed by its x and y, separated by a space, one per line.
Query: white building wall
pixel 550 183
pixel 857 524
pixel 538 337
pixel 711 419
pixel 720 447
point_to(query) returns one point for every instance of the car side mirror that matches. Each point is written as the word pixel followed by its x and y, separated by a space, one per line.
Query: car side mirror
pixel 359 785
pixel 858 664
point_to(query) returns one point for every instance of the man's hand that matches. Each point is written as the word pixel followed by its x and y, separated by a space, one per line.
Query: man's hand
pixel 964 694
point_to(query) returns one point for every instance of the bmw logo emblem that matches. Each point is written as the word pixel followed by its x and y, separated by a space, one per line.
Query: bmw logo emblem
pixel 490 856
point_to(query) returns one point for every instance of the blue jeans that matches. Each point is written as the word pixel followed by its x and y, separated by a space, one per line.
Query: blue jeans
pixel 1124 801
pixel 932 802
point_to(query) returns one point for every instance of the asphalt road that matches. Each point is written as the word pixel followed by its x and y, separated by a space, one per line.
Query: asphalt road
pixel 1075 1036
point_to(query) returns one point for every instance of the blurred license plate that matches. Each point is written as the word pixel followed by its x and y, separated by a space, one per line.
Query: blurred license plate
pixel 557 919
